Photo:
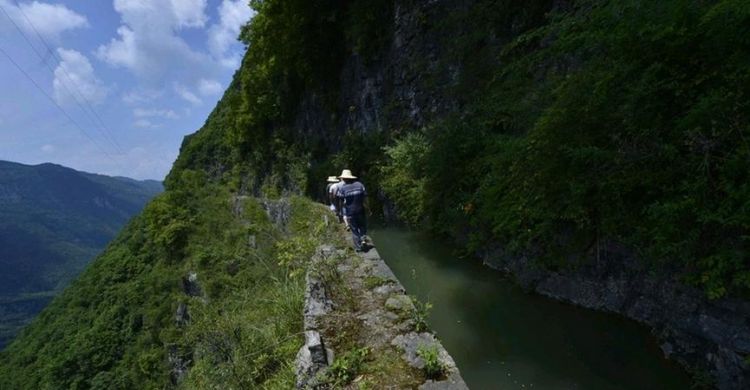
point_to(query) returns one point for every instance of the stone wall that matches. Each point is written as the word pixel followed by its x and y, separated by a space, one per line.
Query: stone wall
pixel 382 318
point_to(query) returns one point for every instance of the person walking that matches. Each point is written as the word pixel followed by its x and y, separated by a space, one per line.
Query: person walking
pixel 352 195
pixel 330 197
pixel 331 191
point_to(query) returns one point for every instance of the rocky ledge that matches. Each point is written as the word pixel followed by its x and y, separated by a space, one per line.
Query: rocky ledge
pixel 358 295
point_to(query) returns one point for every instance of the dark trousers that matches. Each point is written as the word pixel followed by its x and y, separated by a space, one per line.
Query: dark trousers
pixel 358 224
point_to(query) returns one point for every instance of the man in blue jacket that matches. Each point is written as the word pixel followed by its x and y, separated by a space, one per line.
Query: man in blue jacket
pixel 352 196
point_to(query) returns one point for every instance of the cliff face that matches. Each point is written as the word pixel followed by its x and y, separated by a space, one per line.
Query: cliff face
pixel 405 86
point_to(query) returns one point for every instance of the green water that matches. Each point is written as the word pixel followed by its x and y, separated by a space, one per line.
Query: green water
pixel 503 338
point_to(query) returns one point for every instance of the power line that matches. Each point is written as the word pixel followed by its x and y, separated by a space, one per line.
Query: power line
pixel 107 132
pixel 51 99
pixel 51 51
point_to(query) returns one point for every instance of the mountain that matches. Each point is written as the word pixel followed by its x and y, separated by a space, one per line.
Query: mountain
pixel 53 221
pixel 597 150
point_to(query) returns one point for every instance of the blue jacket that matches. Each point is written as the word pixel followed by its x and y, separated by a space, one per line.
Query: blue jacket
pixel 353 196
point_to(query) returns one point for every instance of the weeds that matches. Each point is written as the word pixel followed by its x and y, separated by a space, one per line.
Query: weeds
pixel 372 281
pixel 294 253
pixel 433 367
pixel 420 313
pixel 345 368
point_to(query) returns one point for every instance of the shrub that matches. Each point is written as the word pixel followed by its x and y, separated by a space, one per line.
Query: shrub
pixel 419 314
pixel 433 367
pixel 404 175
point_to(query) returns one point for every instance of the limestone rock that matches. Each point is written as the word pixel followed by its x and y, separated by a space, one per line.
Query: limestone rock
pixel 278 211
pixel 182 317
pixel 179 363
pixel 317 302
pixel 399 303
pixel 311 360
pixel 190 285
pixel 410 343
pixel 454 382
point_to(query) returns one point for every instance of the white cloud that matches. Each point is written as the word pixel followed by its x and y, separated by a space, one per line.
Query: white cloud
pixel 141 96
pixel 143 161
pixel 189 13
pixel 150 113
pixel 186 94
pixel 173 13
pixel 209 87
pixel 149 161
pixel 50 20
pixel 74 78
pixel 47 148
pixel 148 43
pixel 145 123
pixel 122 51
pixel 233 14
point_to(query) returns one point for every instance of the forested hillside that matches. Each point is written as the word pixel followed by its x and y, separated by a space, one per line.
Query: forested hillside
pixel 53 221
pixel 555 132
pixel 607 119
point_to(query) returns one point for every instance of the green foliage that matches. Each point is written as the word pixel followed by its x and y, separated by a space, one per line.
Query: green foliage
pixel 405 174
pixel 702 380
pixel 114 327
pixel 369 27
pixel 294 45
pixel 247 346
pixel 372 281
pixel 433 367
pixel 420 314
pixel 345 368
pixel 294 252
pixel 53 221
pixel 362 153
pixel 618 121
pixel 641 138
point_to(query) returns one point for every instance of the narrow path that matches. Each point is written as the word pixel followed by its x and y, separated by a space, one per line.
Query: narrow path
pixel 357 312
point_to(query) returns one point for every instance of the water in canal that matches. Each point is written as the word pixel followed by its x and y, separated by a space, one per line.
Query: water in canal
pixel 503 338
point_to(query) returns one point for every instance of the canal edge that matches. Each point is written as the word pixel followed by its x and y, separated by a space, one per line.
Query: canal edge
pixel 385 317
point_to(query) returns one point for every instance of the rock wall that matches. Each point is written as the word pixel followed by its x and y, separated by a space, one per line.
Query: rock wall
pixel 403 87
pixel 712 336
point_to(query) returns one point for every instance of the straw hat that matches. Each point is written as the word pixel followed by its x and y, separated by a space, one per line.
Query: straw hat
pixel 332 179
pixel 347 174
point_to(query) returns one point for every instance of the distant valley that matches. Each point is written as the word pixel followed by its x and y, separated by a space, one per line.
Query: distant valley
pixel 53 221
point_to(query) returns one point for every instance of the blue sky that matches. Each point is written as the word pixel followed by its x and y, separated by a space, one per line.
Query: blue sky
pixel 132 78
